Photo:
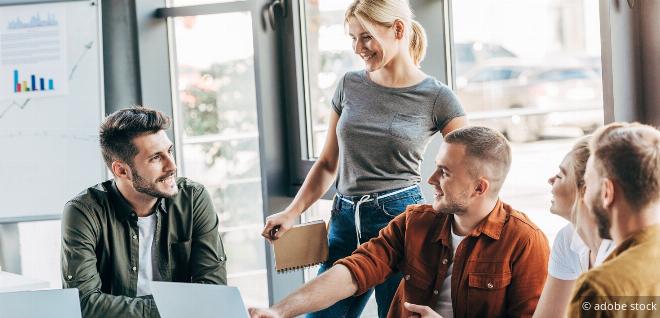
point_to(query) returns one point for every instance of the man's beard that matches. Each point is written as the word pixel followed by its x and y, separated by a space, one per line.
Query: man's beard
pixel 602 219
pixel 149 188
pixel 453 206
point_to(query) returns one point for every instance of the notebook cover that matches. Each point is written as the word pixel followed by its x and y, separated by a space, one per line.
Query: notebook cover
pixel 303 245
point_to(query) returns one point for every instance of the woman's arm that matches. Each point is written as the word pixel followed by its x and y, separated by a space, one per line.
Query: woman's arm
pixel 318 181
pixel 555 298
pixel 456 123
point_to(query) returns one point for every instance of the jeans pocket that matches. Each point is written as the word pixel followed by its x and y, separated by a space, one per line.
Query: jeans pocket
pixel 394 207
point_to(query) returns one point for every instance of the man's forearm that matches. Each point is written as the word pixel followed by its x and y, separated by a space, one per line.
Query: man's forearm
pixel 330 287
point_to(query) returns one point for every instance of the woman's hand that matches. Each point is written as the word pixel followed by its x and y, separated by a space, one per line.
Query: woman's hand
pixel 421 311
pixel 277 224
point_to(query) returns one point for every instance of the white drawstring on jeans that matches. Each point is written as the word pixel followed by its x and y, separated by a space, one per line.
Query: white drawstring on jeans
pixel 364 199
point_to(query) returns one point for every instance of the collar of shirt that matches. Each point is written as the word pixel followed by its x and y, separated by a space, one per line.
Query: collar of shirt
pixel 491 225
pixel 649 233
pixel 123 209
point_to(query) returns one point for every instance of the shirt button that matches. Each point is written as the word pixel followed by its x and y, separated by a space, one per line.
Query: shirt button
pixel 490 285
pixel 134 237
pixel 435 292
pixel 445 261
pixel 134 268
pixel 407 277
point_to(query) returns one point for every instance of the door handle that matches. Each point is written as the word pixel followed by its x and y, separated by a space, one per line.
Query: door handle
pixel 275 9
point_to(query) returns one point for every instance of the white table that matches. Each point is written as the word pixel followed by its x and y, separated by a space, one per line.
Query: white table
pixel 10 282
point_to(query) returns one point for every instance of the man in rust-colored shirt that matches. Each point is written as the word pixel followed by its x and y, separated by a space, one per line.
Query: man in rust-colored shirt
pixel 467 255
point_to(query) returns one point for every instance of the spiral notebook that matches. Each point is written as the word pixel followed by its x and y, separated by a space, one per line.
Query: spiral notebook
pixel 303 245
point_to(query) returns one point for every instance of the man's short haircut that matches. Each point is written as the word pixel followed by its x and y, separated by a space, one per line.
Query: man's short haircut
pixel 629 155
pixel 119 128
pixel 489 150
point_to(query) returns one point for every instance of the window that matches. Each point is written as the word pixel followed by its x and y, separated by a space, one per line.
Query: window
pixel 490 75
pixel 218 132
pixel 561 75
pixel 468 54
pixel 328 56
pixel 177 3
pixel 464 53
pixel 555 98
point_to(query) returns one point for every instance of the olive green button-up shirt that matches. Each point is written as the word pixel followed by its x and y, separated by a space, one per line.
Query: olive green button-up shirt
pixel 100 247
pixel 629 276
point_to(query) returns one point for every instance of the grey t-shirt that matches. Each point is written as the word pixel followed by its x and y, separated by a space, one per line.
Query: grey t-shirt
pixel 383 132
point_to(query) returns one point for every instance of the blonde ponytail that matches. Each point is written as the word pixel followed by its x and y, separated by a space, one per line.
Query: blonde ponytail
pixel 417 42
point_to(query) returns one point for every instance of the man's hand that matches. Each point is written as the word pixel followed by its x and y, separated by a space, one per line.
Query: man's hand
pixel 421 311
pixel 263 313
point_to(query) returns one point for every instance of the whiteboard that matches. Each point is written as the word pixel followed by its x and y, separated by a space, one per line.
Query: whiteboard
pixel 51 106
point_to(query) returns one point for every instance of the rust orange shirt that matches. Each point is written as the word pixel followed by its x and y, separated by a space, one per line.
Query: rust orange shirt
pixel 499 268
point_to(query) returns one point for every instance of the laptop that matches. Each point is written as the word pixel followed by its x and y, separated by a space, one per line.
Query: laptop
pixel 51 303
pixel 175 300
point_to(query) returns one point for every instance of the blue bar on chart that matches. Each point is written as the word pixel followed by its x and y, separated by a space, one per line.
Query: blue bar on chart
pixel 33 79
pixel 41 83
pixel 17 86
pixel 50 84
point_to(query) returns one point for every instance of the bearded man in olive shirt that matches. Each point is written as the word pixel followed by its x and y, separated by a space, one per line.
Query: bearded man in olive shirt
pixel 623 193
pixel 144 225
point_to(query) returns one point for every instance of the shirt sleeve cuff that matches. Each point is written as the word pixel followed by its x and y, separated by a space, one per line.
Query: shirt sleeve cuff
pixel 358 274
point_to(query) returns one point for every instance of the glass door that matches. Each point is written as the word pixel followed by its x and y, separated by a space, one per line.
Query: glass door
pixel 216 96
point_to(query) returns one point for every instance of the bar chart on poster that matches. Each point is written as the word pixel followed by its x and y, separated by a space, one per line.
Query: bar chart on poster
pixel 51 104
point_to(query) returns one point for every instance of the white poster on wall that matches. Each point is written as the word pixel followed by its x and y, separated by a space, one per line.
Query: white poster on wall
pixel 33 57
pixel 49 137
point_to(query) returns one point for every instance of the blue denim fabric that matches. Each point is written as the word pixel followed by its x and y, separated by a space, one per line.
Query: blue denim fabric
pixel 342 241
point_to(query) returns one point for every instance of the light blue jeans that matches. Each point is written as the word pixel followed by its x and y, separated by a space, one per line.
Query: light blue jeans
pixel 374 215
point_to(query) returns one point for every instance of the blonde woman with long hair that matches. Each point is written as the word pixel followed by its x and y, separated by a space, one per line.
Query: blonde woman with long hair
pixel 577 247
pixel 384 117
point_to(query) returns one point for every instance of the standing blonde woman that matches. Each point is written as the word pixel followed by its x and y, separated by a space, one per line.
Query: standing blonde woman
pixel 578 247
pixel 383 120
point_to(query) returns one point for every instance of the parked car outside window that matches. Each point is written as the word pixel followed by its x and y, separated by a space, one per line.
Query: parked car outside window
pixel 523 99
